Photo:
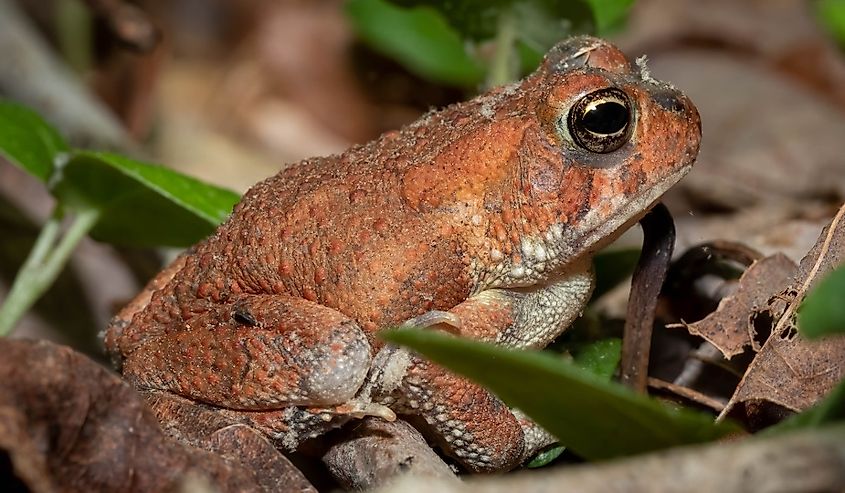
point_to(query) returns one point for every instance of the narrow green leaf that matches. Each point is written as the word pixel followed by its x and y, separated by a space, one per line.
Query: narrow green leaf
pixel 142 204
pixel 418 37
pixel 594 418
pixel 598 357
pixel 28 141
pixel 823 310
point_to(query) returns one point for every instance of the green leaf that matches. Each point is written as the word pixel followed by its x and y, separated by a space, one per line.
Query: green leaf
pixel 545 457
pixel 594 418
pixel 28 141
pixel 540 24
pixel 609 14
pixel 428 36
pixel 823 310
pixel 141 204
pixel 831 13
pixel 612 267
pixel 418 37
pixel 598 357
pixel 549 20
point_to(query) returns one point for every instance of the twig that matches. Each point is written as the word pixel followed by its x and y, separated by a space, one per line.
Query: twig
pixel 658 243
pixel 686 393
pixel 807 461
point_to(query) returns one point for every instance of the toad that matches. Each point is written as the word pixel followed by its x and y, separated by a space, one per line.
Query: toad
pixel 481 218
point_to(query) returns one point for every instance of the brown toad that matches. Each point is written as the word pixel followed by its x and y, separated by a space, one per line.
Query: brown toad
pixel 483 216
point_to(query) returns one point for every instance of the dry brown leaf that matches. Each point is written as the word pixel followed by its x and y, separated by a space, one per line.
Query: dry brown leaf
pixel 730 327
pixel 789 370
pixel 792 372
pixel 68 424
pixel 208 429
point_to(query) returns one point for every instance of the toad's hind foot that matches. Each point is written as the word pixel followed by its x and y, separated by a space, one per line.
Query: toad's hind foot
pixel 361 408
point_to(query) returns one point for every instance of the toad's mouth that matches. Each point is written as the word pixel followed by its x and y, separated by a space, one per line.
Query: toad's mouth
pixel 596 232
pixel 554 253
pixel 598 236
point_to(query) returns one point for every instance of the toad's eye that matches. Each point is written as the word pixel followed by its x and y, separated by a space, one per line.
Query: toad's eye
pixel 601 121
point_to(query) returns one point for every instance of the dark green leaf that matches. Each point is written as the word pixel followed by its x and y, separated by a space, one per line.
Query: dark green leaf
pixel 609 14
pixel 142 204
pixel 823 310
pixel 598 357
pixel 28 141
pixel 418 37
pixel 594 418
pixel 546 456
pixel 529 57
pixel 540 23
pixel 547 20
pixel 612 267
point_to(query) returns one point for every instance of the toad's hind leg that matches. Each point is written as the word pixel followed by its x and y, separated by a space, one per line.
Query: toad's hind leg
pixel 471 423
pixel 257 353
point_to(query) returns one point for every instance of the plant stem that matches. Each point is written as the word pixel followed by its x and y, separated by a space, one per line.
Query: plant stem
pixel 504 66
pixel 44 263
pixel 73 28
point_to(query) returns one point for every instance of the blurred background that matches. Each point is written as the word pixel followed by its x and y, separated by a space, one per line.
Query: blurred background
pixel 232 91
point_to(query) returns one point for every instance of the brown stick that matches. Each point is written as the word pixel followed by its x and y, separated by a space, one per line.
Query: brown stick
pixel 687 393
pixel 658 243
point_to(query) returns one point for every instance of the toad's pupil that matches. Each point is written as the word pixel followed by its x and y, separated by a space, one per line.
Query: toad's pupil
pixel 605 118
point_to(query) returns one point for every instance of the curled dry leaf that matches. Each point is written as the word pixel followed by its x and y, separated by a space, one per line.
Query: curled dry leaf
pixel 730 327
pixel 789 370
pixel 68 424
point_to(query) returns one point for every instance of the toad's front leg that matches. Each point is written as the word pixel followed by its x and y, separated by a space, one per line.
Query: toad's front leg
pixel 470 423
